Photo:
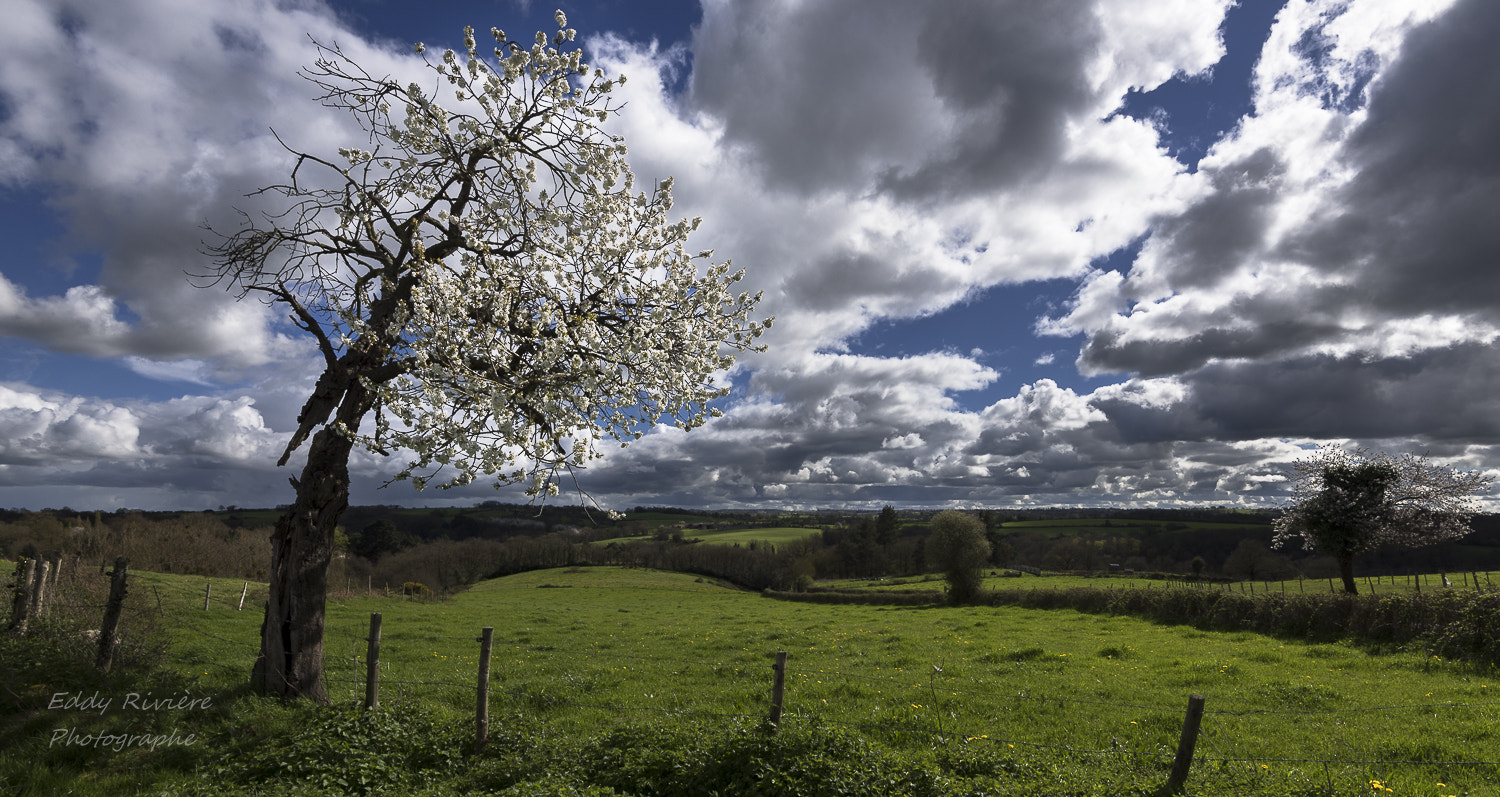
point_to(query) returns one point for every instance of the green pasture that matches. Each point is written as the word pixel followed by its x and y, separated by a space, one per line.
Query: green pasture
pixel 772 536
pixel 1073 526
pixel 659 519
pixel 776 536
pixel 1055 702
pixel 1368 585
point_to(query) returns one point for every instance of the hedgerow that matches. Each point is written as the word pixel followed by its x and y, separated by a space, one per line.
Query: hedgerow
pixel 1453 624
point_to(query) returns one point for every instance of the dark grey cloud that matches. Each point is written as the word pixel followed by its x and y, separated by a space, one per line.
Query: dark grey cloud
pixel 1012 75
pixel 1420 222
pixel 820 95
pixel 931 100
pixel 1217 235
pixel 1448 394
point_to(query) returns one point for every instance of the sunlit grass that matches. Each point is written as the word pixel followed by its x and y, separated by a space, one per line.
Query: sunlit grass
pixel 586 650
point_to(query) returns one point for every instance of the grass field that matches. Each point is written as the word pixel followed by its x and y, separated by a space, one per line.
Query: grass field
pixel 772 536
pixel 1372 585
pixel 1068 526
pixel 999 701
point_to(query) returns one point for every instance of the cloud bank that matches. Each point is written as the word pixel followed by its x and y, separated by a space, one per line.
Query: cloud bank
pixel 1322 274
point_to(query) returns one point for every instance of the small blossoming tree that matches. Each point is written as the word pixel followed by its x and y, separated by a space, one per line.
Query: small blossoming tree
pixel 1347 502
pixel 491 295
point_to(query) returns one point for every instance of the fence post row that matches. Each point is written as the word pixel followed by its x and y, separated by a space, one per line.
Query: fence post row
pixel 372 662
pixel 778 690
pixel 1186 744
pixel 482 704
pixel 108 628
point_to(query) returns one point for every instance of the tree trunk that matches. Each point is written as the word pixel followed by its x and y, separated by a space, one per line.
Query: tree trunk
pixel 1346 569
pixel 290 664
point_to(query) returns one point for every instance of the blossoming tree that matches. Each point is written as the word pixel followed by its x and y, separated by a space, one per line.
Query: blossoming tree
pixel 491 295
pixel 1347 502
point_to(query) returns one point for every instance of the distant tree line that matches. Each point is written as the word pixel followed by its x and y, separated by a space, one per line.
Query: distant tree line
pixel 448 549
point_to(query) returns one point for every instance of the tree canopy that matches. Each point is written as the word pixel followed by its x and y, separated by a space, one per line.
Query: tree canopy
pixel 491 295
pixel 1347 502
pixel 956 545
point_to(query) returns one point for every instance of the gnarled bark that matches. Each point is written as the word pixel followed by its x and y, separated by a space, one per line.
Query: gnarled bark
pixel 1346 570
pixel 290 663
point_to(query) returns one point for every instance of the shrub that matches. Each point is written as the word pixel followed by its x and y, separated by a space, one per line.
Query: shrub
pixel 416 589
pixel 957 547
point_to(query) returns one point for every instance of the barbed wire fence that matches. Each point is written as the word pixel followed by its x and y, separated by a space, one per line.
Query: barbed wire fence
pixel 1212 737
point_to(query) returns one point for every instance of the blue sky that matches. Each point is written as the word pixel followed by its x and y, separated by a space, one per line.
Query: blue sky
pixel 1130 252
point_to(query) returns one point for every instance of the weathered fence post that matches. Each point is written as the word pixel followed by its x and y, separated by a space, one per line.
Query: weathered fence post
pixel 1185 745
pixel 243 590
pixel 778 689
pixel 108 629
pixel 372 662
pixel 25 572
pixel 36 598
pixel 44 581
pixel 56 574
pixel 482 705
pixel 208 590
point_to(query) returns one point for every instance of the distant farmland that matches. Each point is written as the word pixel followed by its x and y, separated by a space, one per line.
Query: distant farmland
pixel 775 536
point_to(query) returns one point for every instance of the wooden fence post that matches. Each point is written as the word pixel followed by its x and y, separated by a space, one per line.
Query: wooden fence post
pixel 243 590
pixel 208 590
pixel 56 573
pixel 482 704
pixel 778 689
pixel 108 629
pixel 1185 745
pixel 25 572
pixel 18 593
pixel 372 662
pixel 36 598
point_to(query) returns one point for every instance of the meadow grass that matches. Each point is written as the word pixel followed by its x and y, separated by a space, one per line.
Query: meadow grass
pixel 1071 526
pixel 1000 700
pixel 1371 585
pixel 771 536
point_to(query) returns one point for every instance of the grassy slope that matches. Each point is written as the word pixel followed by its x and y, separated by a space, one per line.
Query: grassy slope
pixel 590 650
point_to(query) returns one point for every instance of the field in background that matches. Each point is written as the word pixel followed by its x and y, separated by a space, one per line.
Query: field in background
pixel 1071 526
pixel 773 536
pixel 1371 585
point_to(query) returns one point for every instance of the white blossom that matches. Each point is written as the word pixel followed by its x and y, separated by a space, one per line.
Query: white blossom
pixel 494 282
